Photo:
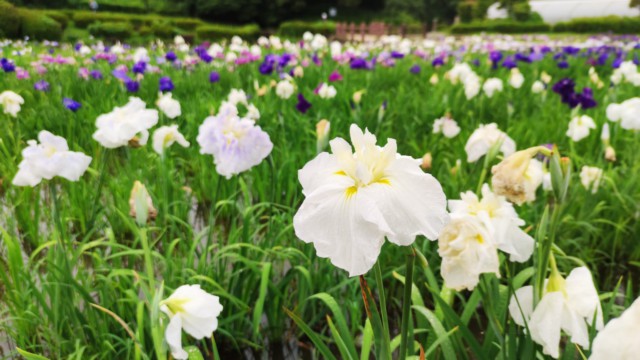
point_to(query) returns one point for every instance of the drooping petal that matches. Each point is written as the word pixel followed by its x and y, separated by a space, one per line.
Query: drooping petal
pixel 582 296
pixel 521 305
pixel 343 225
pixel 545 323
pixel 173 335
pixel 513 240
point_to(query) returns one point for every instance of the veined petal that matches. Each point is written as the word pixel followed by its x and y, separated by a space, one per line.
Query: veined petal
pixel 317 172
pixel 412 202
pixel 343 225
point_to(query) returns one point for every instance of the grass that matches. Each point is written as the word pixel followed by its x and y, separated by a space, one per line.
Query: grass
pixel 58 257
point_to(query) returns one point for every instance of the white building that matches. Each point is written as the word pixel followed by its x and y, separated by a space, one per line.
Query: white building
pixel 553 11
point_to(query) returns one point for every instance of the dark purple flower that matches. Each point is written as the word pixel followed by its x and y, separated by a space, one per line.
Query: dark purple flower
pixel 214 77
pixel 166 84
pixel 71 104
pixel 439 61
pixel 571 50
pixel 7 65
pixel 358 63
pixel 335 76
pixel 170 56
pixel 77 46
pixel 132 86
pixel 139 68
pixel 204 56
pixel 616 63
pixel 415 69
pixel 303 105
pixel 602 59
pixel 586 99
pixel 285 58
pixel 316 60
pixel 558 56
pixel 96 74
pixel 475 62
pixel 397 55
pixel 265 68
pixel 564 87
pixel 495 57
pixel 563 64
pixel 523 58
pixel 41 85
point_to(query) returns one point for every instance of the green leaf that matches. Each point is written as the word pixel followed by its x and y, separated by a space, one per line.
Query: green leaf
pixel 194 353
pixel 257 310
pixel 441 334
pixel 342 328
pixel 315 338
pixel 29 356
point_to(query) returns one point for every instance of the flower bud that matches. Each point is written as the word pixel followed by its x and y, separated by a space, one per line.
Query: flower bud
pixel 298 71
pixel 426 162
pixel 322 132
pixel 141 205
pixel 610 153
pixel 434 79
pixel 518 176
pixel 357 96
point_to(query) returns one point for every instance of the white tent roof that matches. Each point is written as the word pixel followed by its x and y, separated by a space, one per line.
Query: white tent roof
pixel 553 11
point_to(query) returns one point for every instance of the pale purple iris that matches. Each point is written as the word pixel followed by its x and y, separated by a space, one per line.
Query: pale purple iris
pixel 415 69
pixel 41 85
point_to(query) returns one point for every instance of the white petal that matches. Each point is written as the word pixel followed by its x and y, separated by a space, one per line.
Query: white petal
pixel 521 305
pixel 545 323
pixel 582 296
pixel 513 240
pixel 173 335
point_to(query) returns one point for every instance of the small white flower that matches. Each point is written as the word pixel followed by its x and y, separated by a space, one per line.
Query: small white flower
pixel 566 305
pixel 619 338
pixel 237 96
pixel 166 136
pixel 51 157
pixel 11 102
pixel 467 250
pixel 516 79
pixel 285 89
pixel 627 112
pixel 590 177
pixel 169 106
pixel 193 310
pixel 537 87
pixel 252 112
pixel 579 127
pixel 141 54
pixel 117 128
pixel 484 138
pixel 447 126
pixel 491 86
pixel 327 91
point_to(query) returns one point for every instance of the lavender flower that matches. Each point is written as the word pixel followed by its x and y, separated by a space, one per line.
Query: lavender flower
pixel 96 74
pixel 415 69
pixel 41 86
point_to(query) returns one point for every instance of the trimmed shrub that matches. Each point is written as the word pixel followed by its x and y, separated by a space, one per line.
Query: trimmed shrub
pixel 61 17
pixel 297 28
pixel 187 23
pixel 9 20
pixel 503 26
pixel 615 24
pixel 83 19
pixel 38 26
pixel 465 11
pixel 73 35
pixel 219 31
pixel 111 30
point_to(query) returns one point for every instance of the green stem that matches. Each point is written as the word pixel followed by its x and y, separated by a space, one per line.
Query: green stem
pixel 406 305
pixel 383 301
pixel 214 347
pixel 545 248
pixel 148 260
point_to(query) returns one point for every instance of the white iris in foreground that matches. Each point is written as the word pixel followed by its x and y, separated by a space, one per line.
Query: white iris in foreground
pixel 619 339
pixel 48 159
pixel 567 305
pixel 11 102
pixel 117 128
pixel 192 309
pixel 356 197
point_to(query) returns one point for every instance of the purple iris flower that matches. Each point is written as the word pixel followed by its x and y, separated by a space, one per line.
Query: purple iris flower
pixel 571 50
pixel 214 77
pixel 523 58
pixel 616 63
pixel 316 60
pixel 602 59
pixel 166 84
pixel 139 68
pixel 41 85
pixel 204 56
pixel 7 65
pixel 439 61
pixel 586 99
pixel 545 49
pixel 495 57
pixel 71 104
pixel 563 64
pixel 265 68
pixel 358 63
pixel 303 105
pixel 558 56
pixel 77 46
pixel 96 74
pixel 476 62
pixel 564 87
pixel 415 69
pixel 397 55
pixel 132 86
pixel 286 58
pixel 509 62
pixel 335 76
pixel 120 75
pixel 170 56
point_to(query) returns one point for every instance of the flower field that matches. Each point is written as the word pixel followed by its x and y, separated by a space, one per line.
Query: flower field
pixel 272 200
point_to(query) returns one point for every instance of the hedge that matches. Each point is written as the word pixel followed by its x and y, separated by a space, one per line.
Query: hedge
pixel 218 31
pixel 111 30
pixel 466 10
pixel 38 26
pixel 505 26
pixel 297 28
pixel 9 20
pixel 59 16
pixel 615 24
